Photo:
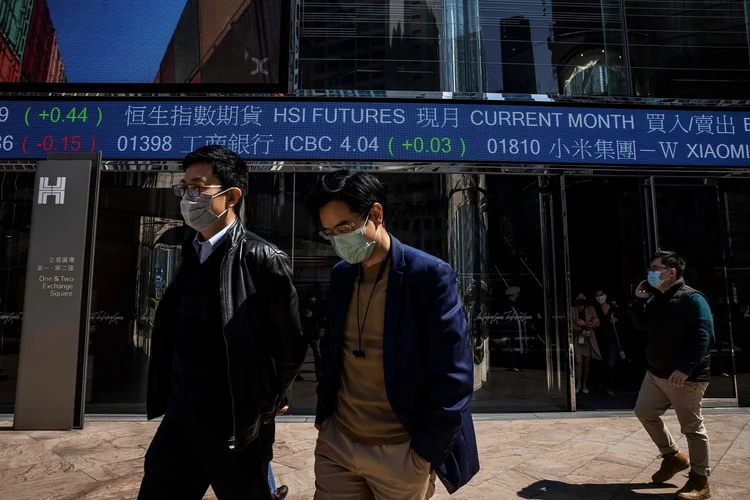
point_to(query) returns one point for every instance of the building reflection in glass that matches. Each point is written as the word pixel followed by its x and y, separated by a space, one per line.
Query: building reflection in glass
pixel 467 237
pixel 16 192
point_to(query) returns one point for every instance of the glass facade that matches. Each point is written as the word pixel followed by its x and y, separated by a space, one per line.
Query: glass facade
pixel 16 191
pixel 670 48
pixel 523 244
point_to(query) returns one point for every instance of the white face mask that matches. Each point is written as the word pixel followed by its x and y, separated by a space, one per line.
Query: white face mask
pixel 197 211
pixel 602 299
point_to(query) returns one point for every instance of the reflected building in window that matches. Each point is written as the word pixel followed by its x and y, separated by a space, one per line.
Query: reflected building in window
pixel 517 50
pixel 379 45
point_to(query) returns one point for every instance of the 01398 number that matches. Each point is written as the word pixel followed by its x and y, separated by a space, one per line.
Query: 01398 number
pixel 144 143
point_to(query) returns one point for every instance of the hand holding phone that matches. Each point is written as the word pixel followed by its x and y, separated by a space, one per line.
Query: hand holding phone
pixel 641 292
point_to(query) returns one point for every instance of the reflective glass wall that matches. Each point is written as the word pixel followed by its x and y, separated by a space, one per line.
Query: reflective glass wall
pixel 16 192
pixel 139 243
pixel 487 226
pixel 376 45
pixel 522 246
pixel 668 48
pixel 689 48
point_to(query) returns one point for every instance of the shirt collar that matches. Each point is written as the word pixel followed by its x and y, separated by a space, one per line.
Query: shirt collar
pixel 206 248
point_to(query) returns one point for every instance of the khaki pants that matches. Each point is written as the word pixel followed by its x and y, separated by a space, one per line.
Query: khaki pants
pixel 345 470
pixel 654 399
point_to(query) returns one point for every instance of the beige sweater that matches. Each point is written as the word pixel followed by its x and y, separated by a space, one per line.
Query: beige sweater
pixel 363 413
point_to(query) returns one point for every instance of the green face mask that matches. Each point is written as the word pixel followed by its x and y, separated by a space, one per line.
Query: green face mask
pixel 353 247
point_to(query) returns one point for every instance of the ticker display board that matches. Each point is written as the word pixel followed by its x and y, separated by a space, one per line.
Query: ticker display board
pixel 398 131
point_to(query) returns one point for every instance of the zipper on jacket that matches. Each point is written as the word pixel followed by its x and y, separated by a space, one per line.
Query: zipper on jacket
pixel 233 437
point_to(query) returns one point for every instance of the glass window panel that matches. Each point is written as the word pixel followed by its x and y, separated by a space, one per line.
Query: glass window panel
pixel 487 228
pixel 537 46
pixel 378 45
pixel 16 192
pixel 687 49
pixel 139 241
pixel 689 222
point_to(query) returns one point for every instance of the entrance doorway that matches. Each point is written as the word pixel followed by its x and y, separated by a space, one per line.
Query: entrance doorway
pixel 607 254
pixel 689 216
pixel 615 224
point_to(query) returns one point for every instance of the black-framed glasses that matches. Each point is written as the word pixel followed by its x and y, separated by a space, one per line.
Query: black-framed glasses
pixel 193 191
pixel 327 234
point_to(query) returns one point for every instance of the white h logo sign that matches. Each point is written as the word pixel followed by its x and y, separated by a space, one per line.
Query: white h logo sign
pixel 57 191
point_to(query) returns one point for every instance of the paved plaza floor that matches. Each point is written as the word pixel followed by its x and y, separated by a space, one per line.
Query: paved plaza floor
pixel 551 456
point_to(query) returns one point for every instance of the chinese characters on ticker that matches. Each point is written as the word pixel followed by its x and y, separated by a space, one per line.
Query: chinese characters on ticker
pixel 337 130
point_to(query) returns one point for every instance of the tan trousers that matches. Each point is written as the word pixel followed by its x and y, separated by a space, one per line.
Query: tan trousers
pixel 654 399
pixel 345 470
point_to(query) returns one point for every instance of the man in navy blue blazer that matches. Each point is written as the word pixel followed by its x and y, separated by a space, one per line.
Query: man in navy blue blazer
pixel 393 402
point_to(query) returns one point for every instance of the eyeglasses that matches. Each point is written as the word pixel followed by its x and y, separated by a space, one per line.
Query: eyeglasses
pixel 327 234
pixel 658 269
pixel 192 190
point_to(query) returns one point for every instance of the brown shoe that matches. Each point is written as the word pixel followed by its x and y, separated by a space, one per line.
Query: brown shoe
pixel 696 488
pixel 670 466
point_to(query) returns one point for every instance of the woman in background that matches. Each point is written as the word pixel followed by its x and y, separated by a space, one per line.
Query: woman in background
pixel 585 322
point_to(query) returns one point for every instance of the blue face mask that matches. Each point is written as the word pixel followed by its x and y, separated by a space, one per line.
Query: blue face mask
pixel 654 279
pixel 353 247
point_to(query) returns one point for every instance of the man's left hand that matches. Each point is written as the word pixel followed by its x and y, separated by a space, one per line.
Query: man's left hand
pixel 677 379
pixel 283 410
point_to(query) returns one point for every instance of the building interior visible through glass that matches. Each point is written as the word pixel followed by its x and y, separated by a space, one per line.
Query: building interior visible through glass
pixel 503 234
pixel 522 245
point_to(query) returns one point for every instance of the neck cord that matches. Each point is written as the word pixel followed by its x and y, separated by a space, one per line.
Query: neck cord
pixel 359 352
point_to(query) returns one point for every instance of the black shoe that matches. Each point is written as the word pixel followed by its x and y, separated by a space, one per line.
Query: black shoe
pixel 281 493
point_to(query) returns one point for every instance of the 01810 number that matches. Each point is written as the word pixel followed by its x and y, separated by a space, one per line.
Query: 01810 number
pixel 513 146
pixel 144 143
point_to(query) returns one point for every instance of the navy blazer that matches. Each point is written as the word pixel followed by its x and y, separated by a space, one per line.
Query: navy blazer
pixel 427 359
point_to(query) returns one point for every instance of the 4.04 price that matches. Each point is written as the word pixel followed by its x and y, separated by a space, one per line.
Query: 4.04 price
pixel 324 143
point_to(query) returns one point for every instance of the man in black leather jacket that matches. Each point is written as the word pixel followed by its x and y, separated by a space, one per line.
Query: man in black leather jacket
pixel 226 346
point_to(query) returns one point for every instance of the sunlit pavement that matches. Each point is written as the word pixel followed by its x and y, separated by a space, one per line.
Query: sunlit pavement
pixel 550 456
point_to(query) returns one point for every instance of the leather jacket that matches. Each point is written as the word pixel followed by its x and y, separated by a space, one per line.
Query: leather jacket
pixel 261 325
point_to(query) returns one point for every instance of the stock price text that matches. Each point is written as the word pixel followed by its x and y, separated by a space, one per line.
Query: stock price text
pixel 401 131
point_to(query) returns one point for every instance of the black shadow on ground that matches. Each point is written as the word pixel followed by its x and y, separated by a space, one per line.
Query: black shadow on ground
pixel 557 490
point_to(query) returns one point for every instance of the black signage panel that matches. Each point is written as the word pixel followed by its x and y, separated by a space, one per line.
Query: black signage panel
pixel 50 379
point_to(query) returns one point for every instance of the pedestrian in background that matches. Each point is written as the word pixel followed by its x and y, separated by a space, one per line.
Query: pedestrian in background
pixel 680 336
pixel 585 323
pixel 393 403
pixel 606 337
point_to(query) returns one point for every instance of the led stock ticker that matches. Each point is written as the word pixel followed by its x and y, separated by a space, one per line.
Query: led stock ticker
pixel 57 115
pixel 376 130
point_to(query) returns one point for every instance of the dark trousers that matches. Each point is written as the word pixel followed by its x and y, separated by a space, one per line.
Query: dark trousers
pixel 611 353
pixel 183 460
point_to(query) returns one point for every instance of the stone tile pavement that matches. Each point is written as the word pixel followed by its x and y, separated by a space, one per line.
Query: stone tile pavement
pixel 556 457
